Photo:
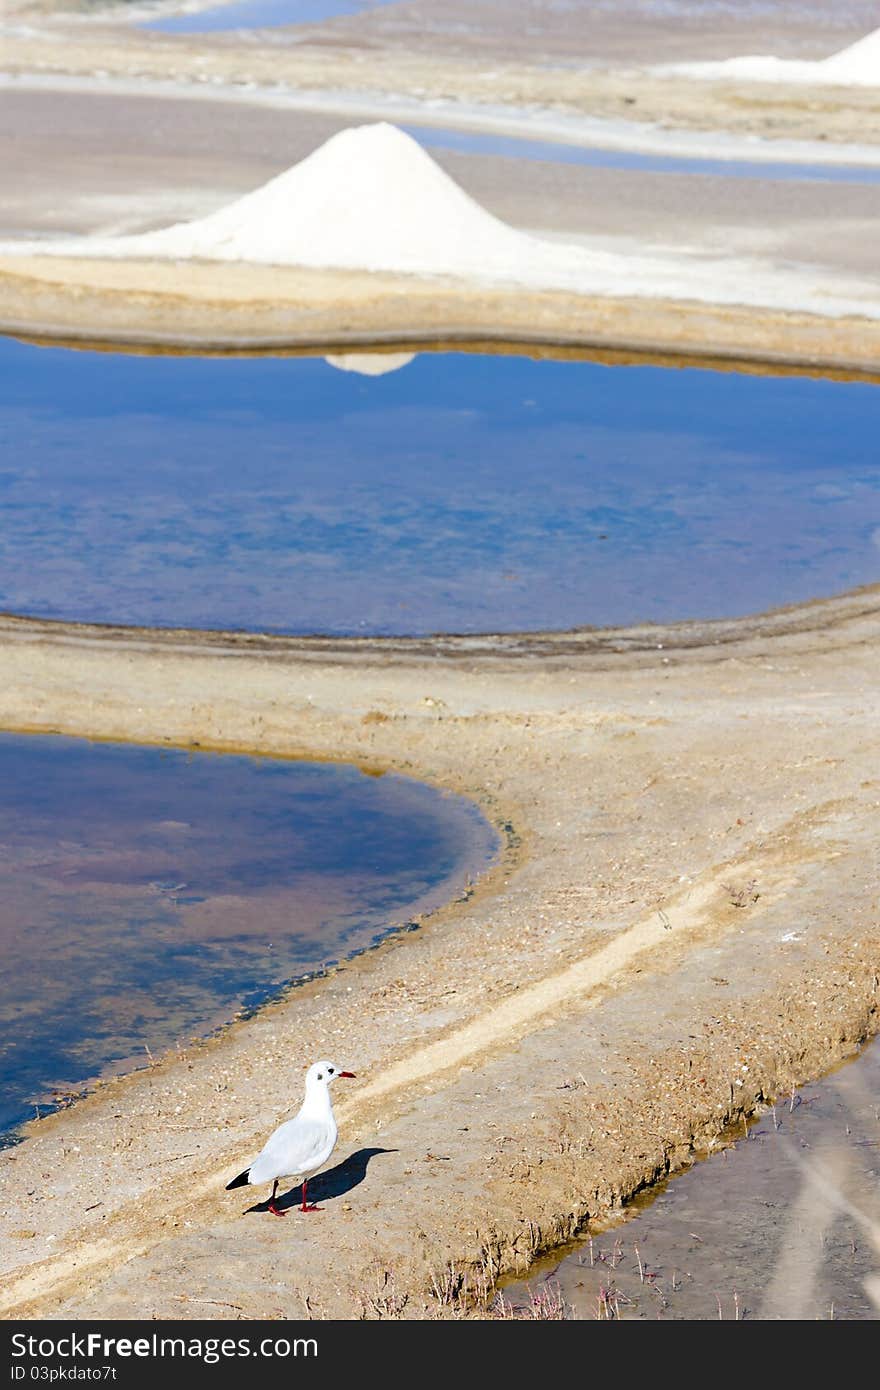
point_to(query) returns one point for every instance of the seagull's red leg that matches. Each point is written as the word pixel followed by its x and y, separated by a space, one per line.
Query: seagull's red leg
pixel 273 1205
pixel 306 1206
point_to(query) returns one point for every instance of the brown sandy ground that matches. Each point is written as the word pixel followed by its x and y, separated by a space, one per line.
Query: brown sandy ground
pixel 202 307
pixel 608 32
pixel 502 52
pixel 685 923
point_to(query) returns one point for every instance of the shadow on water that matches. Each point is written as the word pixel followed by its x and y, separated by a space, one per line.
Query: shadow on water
pixel 324 1187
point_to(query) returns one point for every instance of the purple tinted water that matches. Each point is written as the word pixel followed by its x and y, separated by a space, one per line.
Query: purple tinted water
pixel 149 894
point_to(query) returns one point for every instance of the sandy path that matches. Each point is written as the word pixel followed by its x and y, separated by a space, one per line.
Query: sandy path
pixel 594 1013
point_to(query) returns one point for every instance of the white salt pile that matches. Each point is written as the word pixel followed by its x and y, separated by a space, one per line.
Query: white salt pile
pixel 370 363
pixel 371 199
pixel 856 66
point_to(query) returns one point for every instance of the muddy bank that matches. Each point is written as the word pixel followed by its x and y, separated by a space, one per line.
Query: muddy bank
pixel 198 307
pixel 780 1225
pixel 688 925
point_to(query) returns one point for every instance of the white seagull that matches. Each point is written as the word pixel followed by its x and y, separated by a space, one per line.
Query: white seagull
pixel 302 1145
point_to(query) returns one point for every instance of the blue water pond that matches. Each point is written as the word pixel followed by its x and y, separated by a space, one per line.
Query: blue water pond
pixel 463 493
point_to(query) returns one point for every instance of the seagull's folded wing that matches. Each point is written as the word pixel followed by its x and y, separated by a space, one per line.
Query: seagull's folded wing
pixel 295 1148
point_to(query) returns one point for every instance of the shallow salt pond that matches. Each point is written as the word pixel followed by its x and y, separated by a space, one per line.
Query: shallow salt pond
pixel 776 1226
pixel 460 493
pixel 259 14
pixel 596 157
pixel 147 895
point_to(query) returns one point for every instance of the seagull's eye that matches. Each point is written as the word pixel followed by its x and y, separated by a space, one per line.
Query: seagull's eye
pixel 330 1071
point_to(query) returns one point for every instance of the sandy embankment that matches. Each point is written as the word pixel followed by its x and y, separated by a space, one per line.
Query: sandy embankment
pixel 624 89
pixel 686 921
pixel 240 307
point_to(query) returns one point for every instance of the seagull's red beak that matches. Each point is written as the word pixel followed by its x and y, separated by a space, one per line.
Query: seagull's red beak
pixel 349 1074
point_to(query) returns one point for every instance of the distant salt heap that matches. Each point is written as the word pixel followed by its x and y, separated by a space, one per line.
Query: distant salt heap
pixel 856 66
pixel 368 199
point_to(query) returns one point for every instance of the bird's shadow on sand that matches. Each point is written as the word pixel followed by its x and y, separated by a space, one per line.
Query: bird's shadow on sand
pixel 335 1182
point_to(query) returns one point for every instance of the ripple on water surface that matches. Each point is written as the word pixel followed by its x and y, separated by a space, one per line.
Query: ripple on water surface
pixel 147 894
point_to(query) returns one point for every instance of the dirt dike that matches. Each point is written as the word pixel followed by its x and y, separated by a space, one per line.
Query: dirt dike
pixel 149 307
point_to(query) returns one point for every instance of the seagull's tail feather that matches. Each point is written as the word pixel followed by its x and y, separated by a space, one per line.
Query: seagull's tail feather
pixel 241 1180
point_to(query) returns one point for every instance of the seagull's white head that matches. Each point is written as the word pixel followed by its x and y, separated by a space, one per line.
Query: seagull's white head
pixel 323 1074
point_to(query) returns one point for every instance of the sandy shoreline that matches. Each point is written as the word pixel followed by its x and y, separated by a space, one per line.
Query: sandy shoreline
pixel 533 1055
pixel 221 307
pixel 98 48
